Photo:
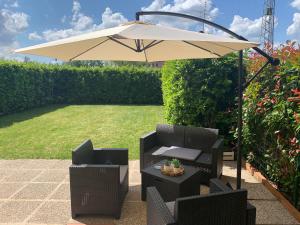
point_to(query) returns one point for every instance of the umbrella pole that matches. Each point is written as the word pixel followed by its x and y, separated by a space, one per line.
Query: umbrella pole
pixel 240 121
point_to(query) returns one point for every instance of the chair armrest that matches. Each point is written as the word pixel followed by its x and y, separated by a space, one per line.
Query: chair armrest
pixel 250 214
pixel 157 211
pixel 92 175
pixel 115 156
pixel 83 154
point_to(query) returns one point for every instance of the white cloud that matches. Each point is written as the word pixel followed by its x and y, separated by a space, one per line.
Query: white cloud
pixel 76 7
pixel 246 27
pixel 79 24
pixel 34 36
pixel 79 20
pixel 54 34
pixel 14 22
pixel 110 19
pixel 11 24
pixel 296 4
pixel 200 8
pixel 11 4
pixel 294 28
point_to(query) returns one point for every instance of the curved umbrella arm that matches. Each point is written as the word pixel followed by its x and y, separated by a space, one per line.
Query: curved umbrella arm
pixel 272 60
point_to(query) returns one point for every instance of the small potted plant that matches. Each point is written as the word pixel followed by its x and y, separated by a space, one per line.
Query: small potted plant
pixel 176 166
pixel 167 166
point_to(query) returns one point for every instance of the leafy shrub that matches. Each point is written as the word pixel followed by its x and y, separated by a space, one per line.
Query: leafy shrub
pixel 272 118
pixel 28 85
pixel 201 92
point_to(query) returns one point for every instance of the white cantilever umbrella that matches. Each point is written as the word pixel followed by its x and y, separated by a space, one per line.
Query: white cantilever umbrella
pixel 138 41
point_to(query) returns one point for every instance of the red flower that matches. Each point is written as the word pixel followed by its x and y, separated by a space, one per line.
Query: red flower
pixel 296 91
pixel 273 100
pixel 260 104
pixel 293 141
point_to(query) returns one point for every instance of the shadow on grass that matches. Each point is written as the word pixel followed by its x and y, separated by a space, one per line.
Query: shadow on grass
pixel 8 120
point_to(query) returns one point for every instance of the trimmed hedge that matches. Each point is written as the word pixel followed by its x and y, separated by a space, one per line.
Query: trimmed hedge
pixel 29 85
pixel 201 93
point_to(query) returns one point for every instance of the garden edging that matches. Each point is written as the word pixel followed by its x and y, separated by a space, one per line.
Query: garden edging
pixel 254 172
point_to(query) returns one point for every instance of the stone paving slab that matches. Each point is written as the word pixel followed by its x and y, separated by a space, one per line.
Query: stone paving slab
pixel 52 176
pixel 8 189
pixel 62 193
pixel 16 211
pixel 37 192
pixel 272 212
pixel 21 175
pixel 52 212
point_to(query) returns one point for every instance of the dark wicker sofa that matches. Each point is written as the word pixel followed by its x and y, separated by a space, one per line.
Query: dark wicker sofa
pixel 205 139
pixel 98 180
pixel 223 206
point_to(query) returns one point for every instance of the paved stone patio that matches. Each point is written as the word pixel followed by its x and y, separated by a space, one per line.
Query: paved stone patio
pixel 37 192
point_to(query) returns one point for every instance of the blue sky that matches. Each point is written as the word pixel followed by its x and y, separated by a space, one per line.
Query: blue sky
pixel 29 22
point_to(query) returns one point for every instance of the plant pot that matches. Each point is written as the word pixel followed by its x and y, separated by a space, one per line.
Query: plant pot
pixel 176 170
pixel 167 168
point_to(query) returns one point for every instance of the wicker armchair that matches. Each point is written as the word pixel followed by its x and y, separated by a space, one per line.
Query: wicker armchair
pixel 98 180
pixel 222 206
pixel 206 139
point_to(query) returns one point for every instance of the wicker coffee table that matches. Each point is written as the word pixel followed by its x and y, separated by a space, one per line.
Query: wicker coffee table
pixel 171 188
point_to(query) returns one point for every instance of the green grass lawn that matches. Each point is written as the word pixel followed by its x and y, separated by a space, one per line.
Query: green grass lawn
pixel 52 132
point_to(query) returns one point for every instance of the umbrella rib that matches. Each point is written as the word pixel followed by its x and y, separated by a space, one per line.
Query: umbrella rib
pixel 121 43
pixel 144 50
pixel 152 44
pixel 89 49
pixel 202 48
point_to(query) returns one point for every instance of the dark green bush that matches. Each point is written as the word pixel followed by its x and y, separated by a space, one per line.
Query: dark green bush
pixel 201 92
pixel 28 85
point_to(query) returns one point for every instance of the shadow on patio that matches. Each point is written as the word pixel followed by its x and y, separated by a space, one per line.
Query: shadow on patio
pixel 37 192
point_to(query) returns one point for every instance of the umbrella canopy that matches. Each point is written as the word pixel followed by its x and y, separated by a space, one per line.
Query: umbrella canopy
pixel 138 41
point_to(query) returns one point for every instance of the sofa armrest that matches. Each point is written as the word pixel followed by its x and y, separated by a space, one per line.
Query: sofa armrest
pixel 217 157
pixel 115 156
pixel 148 141
pixel 218 145
pixel 251 214
pixel 157 211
